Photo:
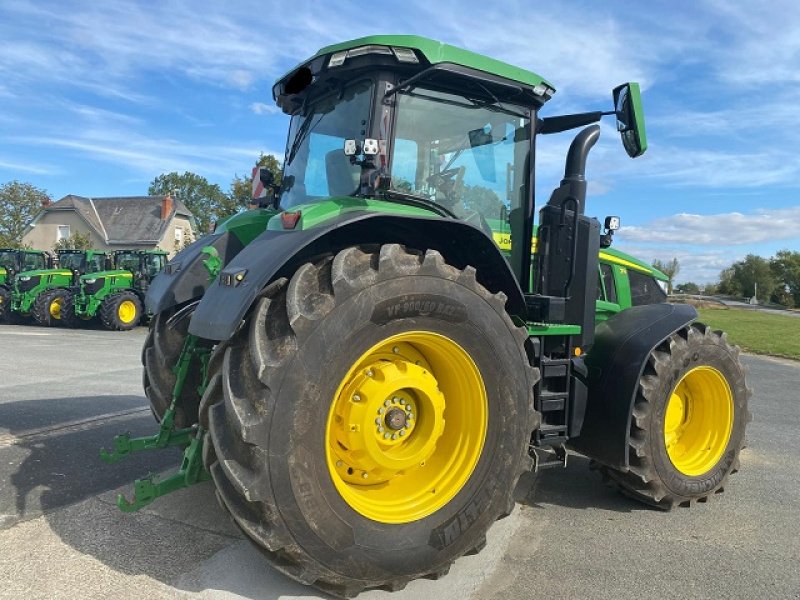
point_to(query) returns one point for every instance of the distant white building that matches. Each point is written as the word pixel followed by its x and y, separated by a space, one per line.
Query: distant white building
pixel 143 222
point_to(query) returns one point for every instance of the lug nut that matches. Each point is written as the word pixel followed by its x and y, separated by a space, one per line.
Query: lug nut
pixel 394 436
pixel 381 410
pixel 386 436
pixel 387 402
pixel 381 430
pixel 403 431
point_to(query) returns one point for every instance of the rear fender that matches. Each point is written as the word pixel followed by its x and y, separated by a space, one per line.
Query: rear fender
pixel 276 254
pixel 616 362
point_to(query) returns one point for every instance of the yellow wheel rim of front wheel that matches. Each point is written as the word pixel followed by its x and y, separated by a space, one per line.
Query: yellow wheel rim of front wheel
pixel 126 311
pixel 406 427
pixel 55 308
pixel 698 421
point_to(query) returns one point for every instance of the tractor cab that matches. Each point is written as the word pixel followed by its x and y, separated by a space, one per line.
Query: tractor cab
pixel 142 263
pixel 84 261
pixel 16 260
pixel 413 122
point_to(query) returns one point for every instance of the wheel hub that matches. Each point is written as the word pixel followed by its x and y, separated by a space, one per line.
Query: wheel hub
pixel 380 435
pixel 406 427
pixel 698 421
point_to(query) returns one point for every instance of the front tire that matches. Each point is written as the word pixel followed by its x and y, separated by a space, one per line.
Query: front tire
pixel 49 308
pixel 160 354
pixel 5 305
pixel 121 311
pixel 688 422
pixel 305 467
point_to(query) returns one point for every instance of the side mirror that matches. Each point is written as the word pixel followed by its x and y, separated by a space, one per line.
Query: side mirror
pixel 630 118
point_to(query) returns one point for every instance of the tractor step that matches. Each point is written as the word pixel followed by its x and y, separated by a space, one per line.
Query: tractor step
pixel 546 458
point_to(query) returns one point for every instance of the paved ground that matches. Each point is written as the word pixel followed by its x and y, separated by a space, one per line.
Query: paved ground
pixel 63 394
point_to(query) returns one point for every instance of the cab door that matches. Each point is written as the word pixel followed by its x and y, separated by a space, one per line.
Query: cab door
pixel 607 298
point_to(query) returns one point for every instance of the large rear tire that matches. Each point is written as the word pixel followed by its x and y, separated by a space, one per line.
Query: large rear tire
pixel 160 354
pixel 370 419
pixel 688 422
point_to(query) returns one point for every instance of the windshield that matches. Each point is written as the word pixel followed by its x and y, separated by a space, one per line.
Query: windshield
pixel 8 259
pixel 466 156
pixel 154 263
pixel 72 261
pixel 316 166
pixel 31 261
pixel 128 260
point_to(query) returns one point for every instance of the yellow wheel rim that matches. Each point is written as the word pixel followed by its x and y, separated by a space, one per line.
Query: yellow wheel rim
pixel 698 421
pixel 55 308
pixel 126 311
pixel 406 427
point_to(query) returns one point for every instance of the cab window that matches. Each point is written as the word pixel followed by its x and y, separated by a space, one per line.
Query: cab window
pixel 610 288
pixel 645 289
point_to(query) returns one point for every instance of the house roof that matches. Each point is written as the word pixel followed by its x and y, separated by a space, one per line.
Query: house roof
pixel 126 219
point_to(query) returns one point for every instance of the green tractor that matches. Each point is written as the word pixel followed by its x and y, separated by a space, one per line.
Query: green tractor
pixel 366 374
pixel 13 261
pixel 117 296
pixel 43 293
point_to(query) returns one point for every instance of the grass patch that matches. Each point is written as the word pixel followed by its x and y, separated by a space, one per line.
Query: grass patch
pixel 757 332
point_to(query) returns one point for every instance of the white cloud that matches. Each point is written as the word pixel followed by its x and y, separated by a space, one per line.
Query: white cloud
pixel 734 228
pixel 261 108
pixel 25 168
pixel 697 266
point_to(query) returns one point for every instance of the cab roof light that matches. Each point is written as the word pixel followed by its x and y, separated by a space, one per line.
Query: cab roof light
pixel 405 55
pixel 337 58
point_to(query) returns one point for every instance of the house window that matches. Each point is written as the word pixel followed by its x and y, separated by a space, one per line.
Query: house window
pixel 63 233
pixel 178 236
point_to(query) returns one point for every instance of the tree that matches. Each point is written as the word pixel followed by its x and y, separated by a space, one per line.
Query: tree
pixel 669 268
pixel 687 288
pixel 786 270
pixel 728 286
pixel 753 277
pixel 477 198
pixel 206 200
pixel 19 203
pixel 77 241
pixel 242 187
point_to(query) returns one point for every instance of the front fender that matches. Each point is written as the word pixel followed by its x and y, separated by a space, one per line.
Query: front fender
pixel 616 362
pixel 185 277
pixel 276 254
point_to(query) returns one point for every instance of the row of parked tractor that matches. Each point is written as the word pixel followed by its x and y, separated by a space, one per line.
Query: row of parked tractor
pixel 75 287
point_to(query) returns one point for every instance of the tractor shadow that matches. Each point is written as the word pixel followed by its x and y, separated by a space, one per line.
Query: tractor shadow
pixel 43 467
pixel 574 486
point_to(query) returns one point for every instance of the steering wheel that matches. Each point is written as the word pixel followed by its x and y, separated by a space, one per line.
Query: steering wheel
pixel 450 183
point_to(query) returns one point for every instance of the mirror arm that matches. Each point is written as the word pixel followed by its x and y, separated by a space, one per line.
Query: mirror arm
pixel 567 122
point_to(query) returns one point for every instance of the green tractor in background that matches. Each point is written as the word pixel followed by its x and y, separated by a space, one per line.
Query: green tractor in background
pixel 365 371
pixel 13 261
pixel 117 296
pixel 43 293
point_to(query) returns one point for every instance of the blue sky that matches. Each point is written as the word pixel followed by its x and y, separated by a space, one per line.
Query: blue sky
pixel 98 98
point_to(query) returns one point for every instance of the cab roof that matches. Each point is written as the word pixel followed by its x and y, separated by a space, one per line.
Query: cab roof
pixel 436 52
